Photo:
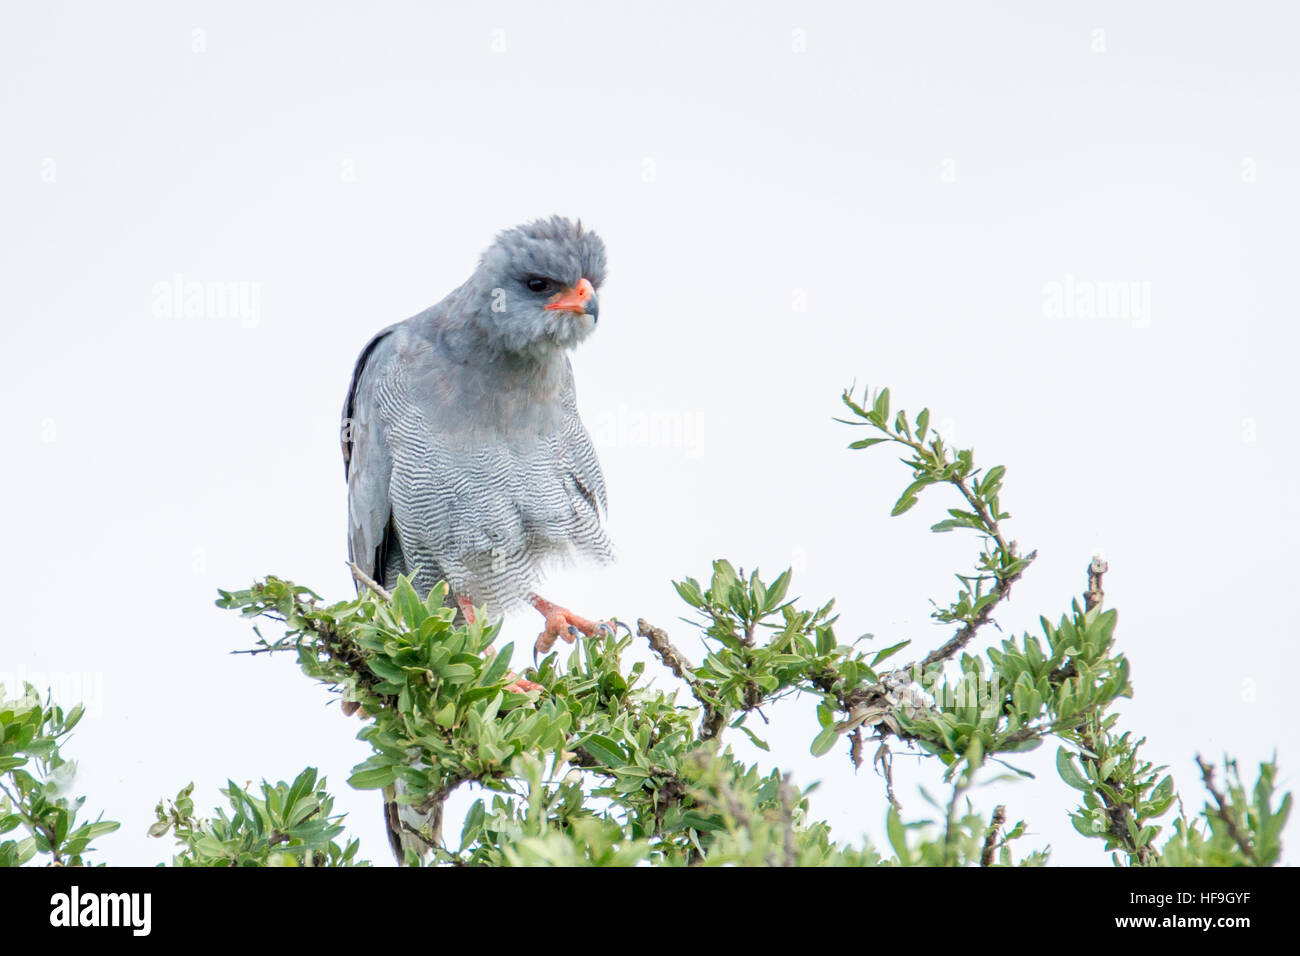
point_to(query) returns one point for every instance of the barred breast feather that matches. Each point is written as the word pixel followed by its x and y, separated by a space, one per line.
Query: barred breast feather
pixel 480 473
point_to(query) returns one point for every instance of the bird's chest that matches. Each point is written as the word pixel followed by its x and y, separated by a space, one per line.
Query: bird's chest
pixel 468 451
pixel 486 476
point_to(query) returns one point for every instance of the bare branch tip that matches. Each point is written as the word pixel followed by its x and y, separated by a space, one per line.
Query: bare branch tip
pixel 362 578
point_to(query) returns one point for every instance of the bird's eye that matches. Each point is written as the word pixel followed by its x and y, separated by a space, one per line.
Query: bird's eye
pixel 538 284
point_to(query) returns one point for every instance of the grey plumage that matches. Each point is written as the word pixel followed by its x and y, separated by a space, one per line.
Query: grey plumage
pixel 465 457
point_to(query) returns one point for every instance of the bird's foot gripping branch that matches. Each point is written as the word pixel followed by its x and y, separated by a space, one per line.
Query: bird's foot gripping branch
pixel 604 766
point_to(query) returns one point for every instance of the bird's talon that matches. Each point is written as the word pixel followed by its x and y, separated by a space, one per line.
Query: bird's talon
pixel 523 685
pixel 543 646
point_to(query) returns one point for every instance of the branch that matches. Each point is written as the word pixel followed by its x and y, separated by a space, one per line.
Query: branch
pixel 1207 774
pixel 991 836
pixel 1093 597
pixel 934 466
pixel 342 649
pixel 676 662
pixel 1117 812
pixel 362 578
pixel 673 659
pixel 967 632
pixel 959 786
pixel 790 848
pixel 884 761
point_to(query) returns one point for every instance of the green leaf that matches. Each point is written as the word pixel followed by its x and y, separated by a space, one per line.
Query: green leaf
pixel 373 779
pixel 881 406
pixel 497 667
pixel 386 669
pixel 302 787
pixel 724 581
pixel 991 480
pixel 900 424
pixel 73 718
pixel 90 831
pixel 1083 824
pixel 776 590
pixel 904 503
pixel 698 821
pixel 889 652
pixel 1069 773
pixel 605 750
pixel 948 524
pixel 26 849
pixel 457 673
pixel 898 836
pixel 473 824
pixel 689 591
pixel 408 604
pixel 446 717
pixel 1022 746
pixel 825 740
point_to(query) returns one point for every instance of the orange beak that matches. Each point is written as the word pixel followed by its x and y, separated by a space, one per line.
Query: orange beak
pixel 575 299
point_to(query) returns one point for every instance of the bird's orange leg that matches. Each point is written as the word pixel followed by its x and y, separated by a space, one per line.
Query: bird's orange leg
pixel 518 685
pixel 563 623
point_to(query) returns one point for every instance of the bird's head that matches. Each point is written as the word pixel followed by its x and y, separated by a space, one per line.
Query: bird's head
pixel 535 287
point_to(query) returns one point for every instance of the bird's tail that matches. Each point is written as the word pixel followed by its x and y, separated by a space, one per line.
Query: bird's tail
pixel 411 829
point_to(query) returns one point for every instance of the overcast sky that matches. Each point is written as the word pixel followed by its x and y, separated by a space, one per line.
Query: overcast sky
pixel 1070 230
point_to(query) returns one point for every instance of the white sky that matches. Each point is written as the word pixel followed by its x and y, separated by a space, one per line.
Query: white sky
pixel 916 179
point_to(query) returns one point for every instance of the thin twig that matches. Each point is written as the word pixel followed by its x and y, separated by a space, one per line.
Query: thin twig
pixel 968 630
pixel 275 648
pixel 991 835
pixel 1207 774
pixel 676 662
pixel 1093 597
pixel 884 760
pixel 958 788
pixel 673 659
pixel 370 582
pixel 787 823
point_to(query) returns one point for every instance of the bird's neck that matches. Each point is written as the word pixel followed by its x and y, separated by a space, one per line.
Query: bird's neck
pixel 542 369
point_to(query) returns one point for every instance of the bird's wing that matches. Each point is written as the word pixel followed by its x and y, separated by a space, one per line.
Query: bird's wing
pixel 583 471
pixel 367 462
pixel 582 462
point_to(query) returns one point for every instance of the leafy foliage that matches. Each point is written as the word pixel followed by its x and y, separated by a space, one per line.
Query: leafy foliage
pixel 1241 828
pixel 289 825
pixel 34 784
pixel 597 747
pixel 603 766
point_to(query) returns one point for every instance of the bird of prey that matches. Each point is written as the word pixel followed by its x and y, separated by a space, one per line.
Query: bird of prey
pixel 465 457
